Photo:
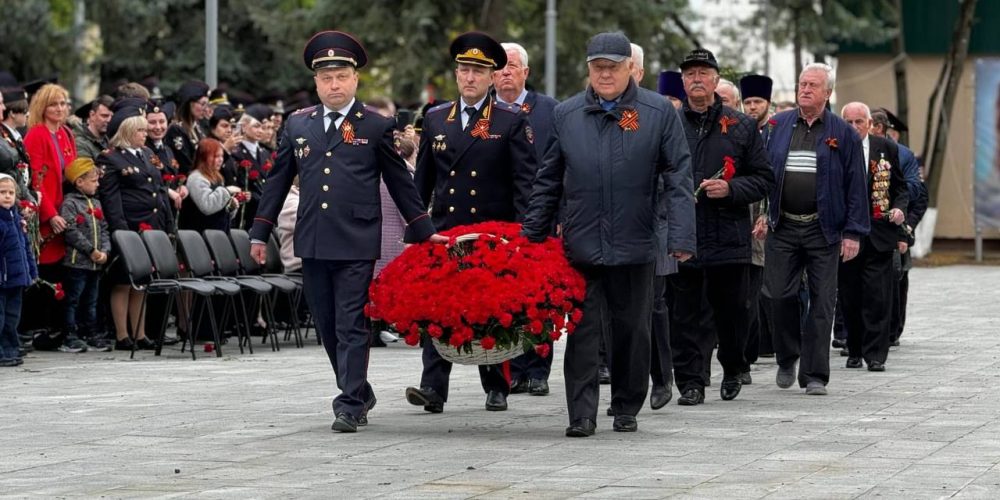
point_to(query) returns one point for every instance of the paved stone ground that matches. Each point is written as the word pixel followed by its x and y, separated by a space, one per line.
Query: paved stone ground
pixel 97 424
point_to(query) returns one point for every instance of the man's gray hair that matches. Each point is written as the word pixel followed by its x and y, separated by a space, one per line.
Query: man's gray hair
pixel 637 55
pixel 736 90
pixel 864 107
pixel 520 51
pixel 831 75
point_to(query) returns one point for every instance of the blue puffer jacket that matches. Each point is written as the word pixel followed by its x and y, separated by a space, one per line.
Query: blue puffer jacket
pixel 17 264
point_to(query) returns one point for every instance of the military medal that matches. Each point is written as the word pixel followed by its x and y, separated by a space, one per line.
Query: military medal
pixel 439 144
pixel 880 187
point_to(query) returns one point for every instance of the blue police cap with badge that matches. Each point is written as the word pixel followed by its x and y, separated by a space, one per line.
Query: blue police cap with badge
pixel 756 86
pixel 334 49
pixel 670 84
pixel 125 109
pixel 478 49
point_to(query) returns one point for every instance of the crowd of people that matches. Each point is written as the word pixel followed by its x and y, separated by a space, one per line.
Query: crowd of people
pixel 704 217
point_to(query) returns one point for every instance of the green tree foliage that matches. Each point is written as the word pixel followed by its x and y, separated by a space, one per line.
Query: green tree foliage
pixel 260 42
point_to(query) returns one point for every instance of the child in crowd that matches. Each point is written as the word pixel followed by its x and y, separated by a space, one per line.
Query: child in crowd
pixel 87 245
pixel 17 271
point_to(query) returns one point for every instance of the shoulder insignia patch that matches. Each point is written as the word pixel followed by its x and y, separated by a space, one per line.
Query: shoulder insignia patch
pixel 439 107
pixel 304 110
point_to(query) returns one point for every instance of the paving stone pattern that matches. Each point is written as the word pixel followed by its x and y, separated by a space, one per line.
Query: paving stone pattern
pixel 258 426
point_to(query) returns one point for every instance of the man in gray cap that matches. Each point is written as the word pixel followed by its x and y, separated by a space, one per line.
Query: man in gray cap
pixel 607 148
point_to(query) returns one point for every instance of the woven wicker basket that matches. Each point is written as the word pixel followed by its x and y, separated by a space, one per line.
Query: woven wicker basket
pixel 478 356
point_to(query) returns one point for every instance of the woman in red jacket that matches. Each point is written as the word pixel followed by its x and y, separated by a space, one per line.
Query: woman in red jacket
pixel 50 147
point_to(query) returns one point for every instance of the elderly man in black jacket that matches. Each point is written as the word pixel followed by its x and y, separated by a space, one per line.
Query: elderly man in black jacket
pixel 715 287
pixel 608 146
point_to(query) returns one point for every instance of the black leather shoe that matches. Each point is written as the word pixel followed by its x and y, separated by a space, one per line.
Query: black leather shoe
pixel 345 423
pixel 691 397
pixel 844 352
pixel 625 423
pixel 730 388
pixel 124 344
pixel 876 366
pixel 426 397
pixel 659 396
pixel 581 428
pixel 538 388
pixel 839 344
pixel 145 344
pixel 745 378
pixel 171 340
pixel 363 419
pixel 604 375
pixel 894 343
pixel 496 401
pixel 853 362
pixel 520 387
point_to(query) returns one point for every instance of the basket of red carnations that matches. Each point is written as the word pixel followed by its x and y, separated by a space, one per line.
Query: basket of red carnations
pixel 486 297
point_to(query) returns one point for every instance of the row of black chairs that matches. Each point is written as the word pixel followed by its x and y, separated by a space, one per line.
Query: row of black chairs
pixel 218 265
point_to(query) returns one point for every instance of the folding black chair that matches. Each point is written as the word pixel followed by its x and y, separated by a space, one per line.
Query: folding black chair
pixel 161 250
pixel 140 274
pixel 282 284
pixel 199 262
pixel 227 265
pixel 273 265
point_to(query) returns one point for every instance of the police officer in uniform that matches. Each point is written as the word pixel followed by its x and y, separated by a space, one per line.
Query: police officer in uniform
pixel 339 149
pixel 477 159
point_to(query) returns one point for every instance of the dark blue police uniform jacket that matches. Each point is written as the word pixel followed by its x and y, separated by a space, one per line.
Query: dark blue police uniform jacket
pixel 132 191
pixel 340 215
pixel 476 177
pixel 538 108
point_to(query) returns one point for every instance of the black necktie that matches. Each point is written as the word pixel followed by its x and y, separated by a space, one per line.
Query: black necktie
pixel 331 130
pixel 471 111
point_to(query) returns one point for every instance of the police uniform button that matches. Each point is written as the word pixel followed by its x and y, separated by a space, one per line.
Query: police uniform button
pixel 326 171
pixel 154 195
pixel 154 210
pixel 329 153
pixel 451 191
pixel 323 205
pixel 473 209
pixel 473 173
pixel 453 173
pixel 149 179
pixel 326 188
pixel 472 193
pixel 451 209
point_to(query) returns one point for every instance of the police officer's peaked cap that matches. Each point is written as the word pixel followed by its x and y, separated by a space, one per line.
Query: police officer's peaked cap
pixel 334 49
pixel 125 109
pixel 478 49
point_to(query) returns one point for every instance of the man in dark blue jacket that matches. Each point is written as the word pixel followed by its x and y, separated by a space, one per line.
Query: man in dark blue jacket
pixel 818 212
pixel 608 147
pixel 339 150
pixel 715 288
pixel 529 372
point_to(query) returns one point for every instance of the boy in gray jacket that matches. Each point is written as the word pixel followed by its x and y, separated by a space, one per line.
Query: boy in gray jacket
pixel 87 245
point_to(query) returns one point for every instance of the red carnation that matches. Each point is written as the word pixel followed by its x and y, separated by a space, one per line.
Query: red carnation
pixel 169 177
pixel 58 291
pixel 246 164
pixel 80 219
pixel 267 166
pixel 254 175
pixel 506 319
pixel 543 350
pixel 98 213
pixel 772 122
pixel 144 226
pixel 728 168
pixel 576 316
pixel 411 339
pixel 274 155
pixel 181 178
pixel 435 331
pixel 488 343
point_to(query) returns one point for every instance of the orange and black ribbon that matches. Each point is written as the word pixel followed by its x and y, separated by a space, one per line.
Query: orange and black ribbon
pixel 629 120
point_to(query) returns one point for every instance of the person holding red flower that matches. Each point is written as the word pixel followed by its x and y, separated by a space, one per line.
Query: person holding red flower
pixel 731 170
pixel 88 243
pixel 253 160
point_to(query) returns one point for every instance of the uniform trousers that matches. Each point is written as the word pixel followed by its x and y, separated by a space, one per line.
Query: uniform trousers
pixel 865 293
pixel 437 373
pixel 661 364
pixel 758 322
pixel 531 366
pixel 337 291
pixel 626 292
pixel 720 293
pixel 790 248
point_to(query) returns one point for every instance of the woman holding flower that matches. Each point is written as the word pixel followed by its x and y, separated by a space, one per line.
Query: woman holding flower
pixel 211 204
